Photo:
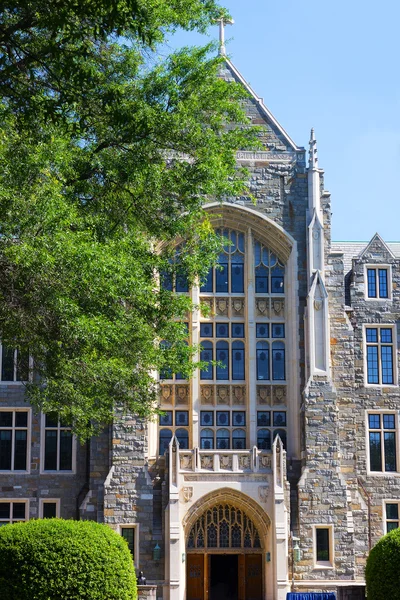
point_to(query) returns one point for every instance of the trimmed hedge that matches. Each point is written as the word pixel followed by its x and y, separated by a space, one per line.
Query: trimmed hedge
pixel 54 559
pixel 382 572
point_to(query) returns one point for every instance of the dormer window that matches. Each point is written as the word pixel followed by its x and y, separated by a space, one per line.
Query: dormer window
pixel 378 283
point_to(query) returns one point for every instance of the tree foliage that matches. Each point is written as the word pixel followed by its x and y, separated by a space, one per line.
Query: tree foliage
pixel 382 573
pixel 108 153
pixel 53 558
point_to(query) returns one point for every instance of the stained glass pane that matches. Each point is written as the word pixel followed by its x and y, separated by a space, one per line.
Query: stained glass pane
pixel 383 283
pixel 371 274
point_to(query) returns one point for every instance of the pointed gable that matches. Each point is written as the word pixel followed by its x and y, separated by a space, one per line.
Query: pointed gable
pixel 275 139
pixel 376 251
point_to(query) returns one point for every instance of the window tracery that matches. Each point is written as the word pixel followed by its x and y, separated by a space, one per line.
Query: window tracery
pixel 223 526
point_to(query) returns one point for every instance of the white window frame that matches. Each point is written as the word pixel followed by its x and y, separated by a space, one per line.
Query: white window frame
pixel 13 381
pixel 43 501
pixel 323 564
pixel 43 446
pixel 376 267
pixel 136 527
pixel 380 326
pixel 28 439
pixel 385 521
pixel 19 501
pixel 367 429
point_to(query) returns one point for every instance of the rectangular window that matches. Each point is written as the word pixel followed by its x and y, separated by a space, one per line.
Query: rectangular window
pixel 14 365
pixel 379 355
pixel 12 511
pixel 391 516
pixel 130 533
pixel 14 438
pixel 322 543
pixel 49 508
pixel 58 445
pixel 382 432
pixel 378 283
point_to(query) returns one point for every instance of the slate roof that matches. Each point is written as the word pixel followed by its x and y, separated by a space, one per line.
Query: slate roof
pixel 353 249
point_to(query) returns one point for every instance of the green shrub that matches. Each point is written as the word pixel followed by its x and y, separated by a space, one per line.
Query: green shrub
pixel 383 568
pixel 53 559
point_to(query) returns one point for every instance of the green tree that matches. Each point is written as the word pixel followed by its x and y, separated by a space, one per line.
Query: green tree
pixel 108 152
pixel 55 559
pixel 382 573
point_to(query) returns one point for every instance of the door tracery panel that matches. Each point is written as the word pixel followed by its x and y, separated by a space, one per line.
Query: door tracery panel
pixel 223 527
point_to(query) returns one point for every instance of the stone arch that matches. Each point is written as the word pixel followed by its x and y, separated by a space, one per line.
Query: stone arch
pixel 226 495
pixel 265 230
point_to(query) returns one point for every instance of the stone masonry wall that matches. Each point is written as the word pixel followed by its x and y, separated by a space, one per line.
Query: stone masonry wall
pixel 36 485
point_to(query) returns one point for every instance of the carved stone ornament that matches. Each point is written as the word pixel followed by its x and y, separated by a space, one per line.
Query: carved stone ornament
pixel 238 307
pixel 278 307
pixel 166 394
pixel 318 304
pixel 207 394
pixel 225 462
pixel 263 394
pixel 279 394
pixel 244 462
pixel 315 234
pixel 182 394
pixel 187 493
pixel 223 394
pixel 186 461
pixel 263 492
pixel 262 306
pixel 239 394
pixel 222 306
pixel 209 303
pixel 265 462
pixel 206 461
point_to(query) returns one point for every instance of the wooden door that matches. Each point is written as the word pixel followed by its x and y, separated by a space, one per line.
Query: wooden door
pixel 195 577
pixel 242 577
pixel 253 576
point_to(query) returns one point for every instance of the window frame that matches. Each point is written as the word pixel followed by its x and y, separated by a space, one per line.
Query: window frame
pixel 44 471
pixel 28 439
pixel 382 412
pixel 324 564
pixel 14 381
pixel 136 528
pixel 377 268
pixel 43 501
pixel 16 501
pixel 379 344
pixel 385 520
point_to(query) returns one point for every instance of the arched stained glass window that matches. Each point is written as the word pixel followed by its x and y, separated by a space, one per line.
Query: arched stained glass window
pixel 282 435
pixel 207 439
pixel 262 360
pixel 278 361
pixel 206 356
pixel 269 272
pixel 264 439
pixel 228 276
pixel 182 435
pixel 223 439
pixel 164 440
pixel 238 439
pixel 222 357
pixel 224 526
pixel 238 361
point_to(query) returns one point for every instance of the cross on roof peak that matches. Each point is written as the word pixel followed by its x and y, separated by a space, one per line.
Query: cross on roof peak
pixel 224 20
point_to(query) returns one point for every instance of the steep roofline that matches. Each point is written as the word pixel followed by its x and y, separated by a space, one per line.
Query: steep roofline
pixel 262 106
pixel 384 244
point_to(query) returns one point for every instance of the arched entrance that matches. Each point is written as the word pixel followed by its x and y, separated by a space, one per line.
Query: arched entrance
pixel 224 546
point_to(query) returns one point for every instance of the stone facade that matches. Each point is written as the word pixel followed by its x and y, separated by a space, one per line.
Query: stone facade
pixel 321 484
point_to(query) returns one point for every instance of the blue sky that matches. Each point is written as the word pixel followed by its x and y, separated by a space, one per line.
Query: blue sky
pixel 332 65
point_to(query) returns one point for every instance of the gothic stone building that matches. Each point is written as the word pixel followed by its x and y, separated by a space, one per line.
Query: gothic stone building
pixel 290 440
